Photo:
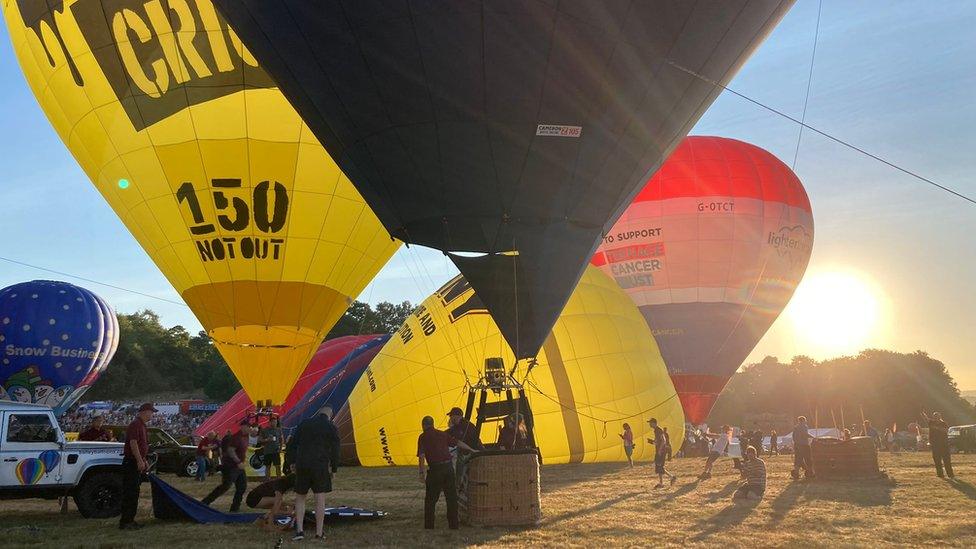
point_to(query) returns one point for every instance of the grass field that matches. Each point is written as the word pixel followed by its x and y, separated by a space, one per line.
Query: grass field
pixel 598 505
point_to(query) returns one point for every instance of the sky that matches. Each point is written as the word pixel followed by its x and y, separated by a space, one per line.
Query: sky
pixel 890 77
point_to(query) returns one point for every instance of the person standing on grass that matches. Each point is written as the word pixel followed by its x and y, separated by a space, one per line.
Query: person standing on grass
pixel 802 456
pixel 233 458
pixel 773 441
pixel 271 438
pixel 754 473
pixel 134 464
pixel 719 448
pixel 660 442
pixel 939 442
pixel 205 449
pixel 316 448
pixel 628 437
pixel 434 448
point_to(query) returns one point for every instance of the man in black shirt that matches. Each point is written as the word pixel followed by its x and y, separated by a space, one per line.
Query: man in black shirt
pixel 462 429
pixel 316 448
pixel 939 441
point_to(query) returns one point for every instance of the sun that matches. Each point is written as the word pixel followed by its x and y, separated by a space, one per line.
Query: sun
pixel 835 312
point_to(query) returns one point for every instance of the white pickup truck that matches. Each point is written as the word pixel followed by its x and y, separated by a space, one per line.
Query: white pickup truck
pixel 37 462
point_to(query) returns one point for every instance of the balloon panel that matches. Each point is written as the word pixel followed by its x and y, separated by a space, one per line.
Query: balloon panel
pixel 711 251
pixel 599 362
pixel 210 169
pixel 503 126
pixel 325 358
pixel 334 387
pixel 56 339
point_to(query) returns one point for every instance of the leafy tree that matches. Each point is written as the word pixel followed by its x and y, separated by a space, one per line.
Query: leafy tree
pixel 360 318
pixel 887 387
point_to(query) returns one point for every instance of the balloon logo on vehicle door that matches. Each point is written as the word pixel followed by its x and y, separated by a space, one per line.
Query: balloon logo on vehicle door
pixel 50 459
pixel 30 470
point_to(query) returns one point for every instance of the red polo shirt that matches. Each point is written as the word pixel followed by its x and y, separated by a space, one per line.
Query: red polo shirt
pixel 136 431
pixel 435 446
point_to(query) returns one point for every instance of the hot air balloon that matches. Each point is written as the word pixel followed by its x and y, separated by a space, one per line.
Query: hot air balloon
pixel 711 251
pixel 50 459
pixel 29 471
pixel 56 338
pixel 334 388
pixel 597 369
pixel 239 406
pixel 210 169
pixel 516 131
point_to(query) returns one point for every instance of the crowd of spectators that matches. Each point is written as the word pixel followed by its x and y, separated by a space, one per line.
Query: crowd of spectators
pixel 180 426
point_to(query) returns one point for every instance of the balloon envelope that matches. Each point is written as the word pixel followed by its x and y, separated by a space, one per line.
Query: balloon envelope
pixel 334 387
pixel 502 127
pixel 56 339
pixel 331 352
pixel 711 251
pixel 600 364
pixel 209 168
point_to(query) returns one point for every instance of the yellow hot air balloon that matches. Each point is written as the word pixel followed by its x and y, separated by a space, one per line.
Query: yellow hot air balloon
pixel 599 364
pixel 211 170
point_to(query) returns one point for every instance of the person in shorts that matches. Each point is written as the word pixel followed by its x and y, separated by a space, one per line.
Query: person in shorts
pixel 316 449
pixel 719 448
pixel 628 437
pixel 271 439
pixel 660 443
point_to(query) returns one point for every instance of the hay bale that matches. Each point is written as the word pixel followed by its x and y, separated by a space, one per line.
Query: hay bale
pixel 834 458
pixel 501 489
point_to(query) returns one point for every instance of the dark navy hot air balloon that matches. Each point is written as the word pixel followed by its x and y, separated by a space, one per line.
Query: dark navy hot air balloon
pixel 517 131
pixel 334 388
pixel 55 340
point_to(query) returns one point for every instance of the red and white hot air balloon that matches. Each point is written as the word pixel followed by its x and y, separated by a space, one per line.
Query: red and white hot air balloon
pixel 711 251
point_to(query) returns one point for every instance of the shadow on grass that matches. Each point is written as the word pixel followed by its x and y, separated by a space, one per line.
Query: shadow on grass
pixel 683 490
pixel 730 516
pixel 963 487
pixel 861 493
pixel 725 492
pixel 591 509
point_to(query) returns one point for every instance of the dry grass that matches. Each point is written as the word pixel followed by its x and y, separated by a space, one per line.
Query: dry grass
pixel 604 505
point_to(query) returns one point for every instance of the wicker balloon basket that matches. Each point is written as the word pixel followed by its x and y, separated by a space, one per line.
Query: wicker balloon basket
pixel 856 458
pixel 501 489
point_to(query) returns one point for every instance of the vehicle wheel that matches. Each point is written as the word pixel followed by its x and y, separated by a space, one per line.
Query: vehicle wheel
pixel 100 496
pixel 189 468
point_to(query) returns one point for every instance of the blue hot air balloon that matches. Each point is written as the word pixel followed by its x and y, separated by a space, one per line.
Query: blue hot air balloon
pixel 55 340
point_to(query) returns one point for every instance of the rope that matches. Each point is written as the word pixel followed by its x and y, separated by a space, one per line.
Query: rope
pixel 806 98
pixel 822 133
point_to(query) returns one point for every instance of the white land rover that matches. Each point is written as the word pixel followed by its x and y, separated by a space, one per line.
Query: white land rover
pixel 37 462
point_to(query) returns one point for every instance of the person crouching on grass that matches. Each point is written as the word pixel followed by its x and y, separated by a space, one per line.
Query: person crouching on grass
pixel 660 442
pixel 753 471
pixel 434 447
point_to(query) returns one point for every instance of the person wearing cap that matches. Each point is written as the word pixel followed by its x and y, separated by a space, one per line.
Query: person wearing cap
pixel 97 431
pixel 462 429
pixel 434 447
pixel 316 449
pixel 233 458
pixel 134 464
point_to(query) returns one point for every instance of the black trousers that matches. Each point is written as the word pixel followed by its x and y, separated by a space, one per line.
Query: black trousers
pixel 802 458
pixel 941 457
pixel 440 478
pixel 230 475
pixel 131 480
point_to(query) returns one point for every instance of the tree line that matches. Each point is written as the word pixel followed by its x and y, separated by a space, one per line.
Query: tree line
pixel 152 359
pixel 884 386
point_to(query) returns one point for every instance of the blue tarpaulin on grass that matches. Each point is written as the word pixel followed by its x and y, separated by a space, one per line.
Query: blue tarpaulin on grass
pixel 172 504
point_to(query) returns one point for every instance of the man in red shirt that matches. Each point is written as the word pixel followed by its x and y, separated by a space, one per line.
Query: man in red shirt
pixel 434 447
pixel 205 450
pixel 233 463
pixel 97 432
pixel 134 464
